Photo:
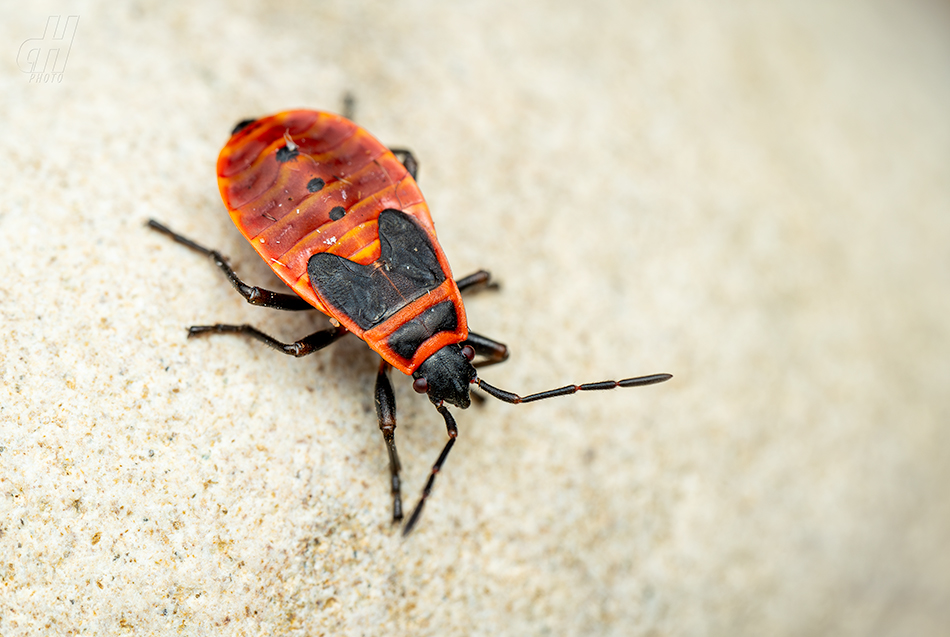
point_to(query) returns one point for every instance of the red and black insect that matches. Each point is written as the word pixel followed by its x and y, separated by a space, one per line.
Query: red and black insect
pixel 340 219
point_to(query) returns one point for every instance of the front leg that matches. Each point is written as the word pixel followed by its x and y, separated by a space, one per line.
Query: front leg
pixel 493 351
pixel 386 414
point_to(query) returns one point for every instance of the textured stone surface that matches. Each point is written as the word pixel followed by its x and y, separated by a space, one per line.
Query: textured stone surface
pixel 752 197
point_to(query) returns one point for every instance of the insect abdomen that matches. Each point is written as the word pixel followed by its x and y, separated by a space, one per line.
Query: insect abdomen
pixel 303 182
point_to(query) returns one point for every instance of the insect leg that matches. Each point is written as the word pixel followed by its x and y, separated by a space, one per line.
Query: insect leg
pixel 493 351
pixel 476 279
pixel 408 160
pixel 453 434
pixel 349 106
pixel 386 414
pixel 306 345
pixel 253 295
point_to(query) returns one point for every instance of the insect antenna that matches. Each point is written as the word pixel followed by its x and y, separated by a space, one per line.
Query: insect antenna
pixel 453 433
pixel 515 399
pixel 567 390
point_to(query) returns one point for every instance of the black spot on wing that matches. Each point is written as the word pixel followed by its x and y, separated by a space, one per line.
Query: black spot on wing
pixel 316 184
pixel 406 269
pixel 286 153
pixel 337 213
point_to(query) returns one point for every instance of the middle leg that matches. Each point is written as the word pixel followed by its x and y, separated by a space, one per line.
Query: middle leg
pixel 476 280
pixel 493 351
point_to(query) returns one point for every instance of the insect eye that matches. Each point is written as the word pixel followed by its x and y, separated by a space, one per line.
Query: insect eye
pixel 468 352
pixel 421 385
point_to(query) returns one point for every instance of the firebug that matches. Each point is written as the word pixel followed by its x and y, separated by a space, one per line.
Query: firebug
pixel 340 219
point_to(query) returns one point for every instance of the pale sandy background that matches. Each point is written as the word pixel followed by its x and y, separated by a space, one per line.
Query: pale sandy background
pixel 752 196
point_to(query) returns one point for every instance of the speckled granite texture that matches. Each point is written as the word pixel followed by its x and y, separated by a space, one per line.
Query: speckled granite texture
pixel 754 197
